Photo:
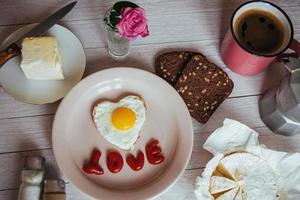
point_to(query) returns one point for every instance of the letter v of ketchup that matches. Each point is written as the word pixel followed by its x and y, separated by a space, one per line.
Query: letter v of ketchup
pixel 137 163
pixel 114 162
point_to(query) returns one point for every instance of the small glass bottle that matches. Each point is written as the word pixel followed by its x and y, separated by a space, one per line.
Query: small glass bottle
pixel 54 190
pixel 32 177
pixel 118 46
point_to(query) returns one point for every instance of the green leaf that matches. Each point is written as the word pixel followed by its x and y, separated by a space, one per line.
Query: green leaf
pixel 115 13
pixel 123 4
pixel 114 18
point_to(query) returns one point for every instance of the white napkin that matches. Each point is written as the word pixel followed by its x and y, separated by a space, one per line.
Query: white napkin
pixel 234 136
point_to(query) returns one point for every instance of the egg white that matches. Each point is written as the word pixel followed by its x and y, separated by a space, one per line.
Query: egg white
pixel 124 139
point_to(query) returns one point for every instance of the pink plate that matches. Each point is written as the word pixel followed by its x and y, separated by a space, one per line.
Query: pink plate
pixel 74 135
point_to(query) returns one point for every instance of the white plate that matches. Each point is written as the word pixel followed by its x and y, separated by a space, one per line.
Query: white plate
pixel 74 135
pixel 17 85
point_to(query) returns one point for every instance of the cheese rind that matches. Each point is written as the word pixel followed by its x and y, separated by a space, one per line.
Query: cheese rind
pixel 41 59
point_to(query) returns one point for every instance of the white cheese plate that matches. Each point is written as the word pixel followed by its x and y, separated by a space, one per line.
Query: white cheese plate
pixel 15 83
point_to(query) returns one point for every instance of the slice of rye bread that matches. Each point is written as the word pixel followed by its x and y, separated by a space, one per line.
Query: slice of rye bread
pixel 169 66
pixel 203 86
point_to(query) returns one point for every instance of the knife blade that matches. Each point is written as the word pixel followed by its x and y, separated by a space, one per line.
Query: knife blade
pixel 14 49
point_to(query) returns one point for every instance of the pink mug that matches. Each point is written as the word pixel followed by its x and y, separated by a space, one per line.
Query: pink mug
pixel 243 61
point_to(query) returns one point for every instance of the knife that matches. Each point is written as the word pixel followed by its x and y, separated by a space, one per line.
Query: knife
pixel 14 49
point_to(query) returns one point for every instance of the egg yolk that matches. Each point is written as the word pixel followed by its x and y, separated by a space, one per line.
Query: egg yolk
pixel 123 118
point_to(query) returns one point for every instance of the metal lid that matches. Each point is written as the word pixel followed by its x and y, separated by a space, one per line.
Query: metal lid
pixel 54 186
pixel 292 65
pixel 288 94
pixel 34 163
pixel 273 118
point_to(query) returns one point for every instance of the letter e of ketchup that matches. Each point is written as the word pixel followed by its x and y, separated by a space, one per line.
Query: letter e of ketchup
pixel 153 152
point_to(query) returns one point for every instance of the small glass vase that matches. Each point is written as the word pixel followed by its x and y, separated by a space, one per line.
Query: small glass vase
pixel 118 46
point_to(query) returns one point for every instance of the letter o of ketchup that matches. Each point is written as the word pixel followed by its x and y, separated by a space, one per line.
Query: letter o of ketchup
pixel 114 161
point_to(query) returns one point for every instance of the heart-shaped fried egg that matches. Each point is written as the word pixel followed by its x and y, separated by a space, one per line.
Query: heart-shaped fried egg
pixel 120 123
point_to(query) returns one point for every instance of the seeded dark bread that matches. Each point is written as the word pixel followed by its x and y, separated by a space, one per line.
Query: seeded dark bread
pixel 169 66
pixel 203 86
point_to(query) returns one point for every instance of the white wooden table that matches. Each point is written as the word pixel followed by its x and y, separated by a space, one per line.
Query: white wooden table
pixel 185 24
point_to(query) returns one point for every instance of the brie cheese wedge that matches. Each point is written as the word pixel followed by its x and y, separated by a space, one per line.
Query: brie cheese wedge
pixel 41 59
pixel 252 174
pixel 240 195
pixel 230 195
pixel 220 184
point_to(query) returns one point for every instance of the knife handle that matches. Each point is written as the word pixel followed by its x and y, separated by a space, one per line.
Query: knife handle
pixel 11 51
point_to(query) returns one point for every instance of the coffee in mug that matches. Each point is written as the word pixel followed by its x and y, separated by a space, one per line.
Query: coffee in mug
pixel 259 32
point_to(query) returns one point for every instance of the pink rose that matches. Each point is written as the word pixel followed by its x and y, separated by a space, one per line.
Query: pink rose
pixel 133 23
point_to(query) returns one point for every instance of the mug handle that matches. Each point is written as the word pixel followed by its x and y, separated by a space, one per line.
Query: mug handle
pixel 295 46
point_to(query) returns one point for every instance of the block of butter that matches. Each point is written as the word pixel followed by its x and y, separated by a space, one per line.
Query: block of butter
pixel 41 59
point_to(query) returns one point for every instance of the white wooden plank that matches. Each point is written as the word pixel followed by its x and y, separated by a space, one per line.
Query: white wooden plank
pixel 243 109
pixel 9 194
pixel 10 162
pixel 21 134
pixel 28 11
pixel 10 108
pixel 143 57
pixel 183 189
pixel 10 176
pixel 164 28
pixel 15 12
pixel 273 141
pixel 11 165
pixel 35 132
pixel 10 172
